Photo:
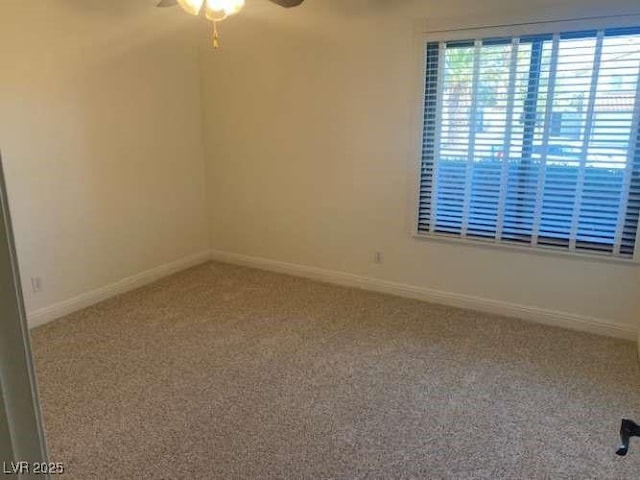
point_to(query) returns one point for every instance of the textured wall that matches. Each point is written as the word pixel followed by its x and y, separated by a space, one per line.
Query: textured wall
pixel 101 135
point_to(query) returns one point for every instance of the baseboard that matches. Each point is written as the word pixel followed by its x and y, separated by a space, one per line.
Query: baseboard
pixel 548 317
pixel 84 300
pixel 535 314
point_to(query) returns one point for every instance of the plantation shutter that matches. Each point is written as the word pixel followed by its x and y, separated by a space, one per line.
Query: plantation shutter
pixel 534 140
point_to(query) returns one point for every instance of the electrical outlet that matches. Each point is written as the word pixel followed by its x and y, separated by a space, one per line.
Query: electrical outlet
pixel 36 284
pixel 377 258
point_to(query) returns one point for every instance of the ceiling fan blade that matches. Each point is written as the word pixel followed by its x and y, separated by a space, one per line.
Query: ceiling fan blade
pixel 167 3
pixel 287 3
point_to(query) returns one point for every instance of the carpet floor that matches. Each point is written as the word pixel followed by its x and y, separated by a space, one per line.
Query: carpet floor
pixel 228 372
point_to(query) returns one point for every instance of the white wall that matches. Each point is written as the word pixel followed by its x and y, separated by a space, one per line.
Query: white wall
pixel 101 136
pixel 310 128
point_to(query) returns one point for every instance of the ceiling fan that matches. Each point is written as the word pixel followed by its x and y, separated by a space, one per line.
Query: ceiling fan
pixel 190 5
pixel 218 10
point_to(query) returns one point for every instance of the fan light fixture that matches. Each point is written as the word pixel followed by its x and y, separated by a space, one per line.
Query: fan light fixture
pixel 218 10
pixel 214 10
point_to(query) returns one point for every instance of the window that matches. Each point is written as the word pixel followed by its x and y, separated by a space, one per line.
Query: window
pixel 534 140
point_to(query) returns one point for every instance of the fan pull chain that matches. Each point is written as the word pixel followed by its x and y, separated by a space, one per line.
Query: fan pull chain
pixel 216 36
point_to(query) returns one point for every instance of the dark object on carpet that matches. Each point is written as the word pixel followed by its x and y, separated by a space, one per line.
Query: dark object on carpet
pixel 628 429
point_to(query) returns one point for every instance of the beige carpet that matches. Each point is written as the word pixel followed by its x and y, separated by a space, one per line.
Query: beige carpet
pixel 226 372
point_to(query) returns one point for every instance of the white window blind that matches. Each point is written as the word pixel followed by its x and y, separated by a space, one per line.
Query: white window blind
pixel 534 140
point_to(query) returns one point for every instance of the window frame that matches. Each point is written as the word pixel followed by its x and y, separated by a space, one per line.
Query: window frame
pixel 422 38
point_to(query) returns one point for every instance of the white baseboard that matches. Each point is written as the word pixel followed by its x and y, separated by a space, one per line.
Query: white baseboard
pixel 535 314
pixel 548 317
pixel 84 300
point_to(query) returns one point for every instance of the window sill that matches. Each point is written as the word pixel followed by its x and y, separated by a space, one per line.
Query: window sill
pixel 538 250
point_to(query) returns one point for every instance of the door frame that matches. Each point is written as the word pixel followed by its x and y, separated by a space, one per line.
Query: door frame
pixel 20 414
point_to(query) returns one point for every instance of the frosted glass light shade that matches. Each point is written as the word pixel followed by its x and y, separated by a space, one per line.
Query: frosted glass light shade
pixel 218 9
pixel 191 6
